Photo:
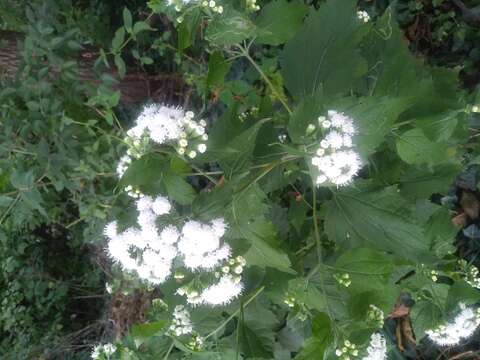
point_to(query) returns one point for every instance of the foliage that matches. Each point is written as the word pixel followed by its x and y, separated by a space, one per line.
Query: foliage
pixel 318 258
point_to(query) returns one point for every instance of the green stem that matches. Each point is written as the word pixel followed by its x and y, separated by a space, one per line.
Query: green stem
pixel 169 350
pixel 266 79
pixel 320 265
pixel 222 325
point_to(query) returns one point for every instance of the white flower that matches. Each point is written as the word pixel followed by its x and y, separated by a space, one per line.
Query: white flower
pixel 200 244
pixel 107 350
pixel 183 143
pixel 462 327
pixel 222 292
pixel 334 139
pixel 181 323
pixel 161 205
pixel 122 165
pixel 377 349
pixel 335 163
pixel 201 148
pixel 363 15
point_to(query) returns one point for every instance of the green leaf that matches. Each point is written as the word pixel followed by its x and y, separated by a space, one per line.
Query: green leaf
pixel 127 20
pixel 120 64
pixel 262 252
pixel 306 113
pixel 315 346
pixel 231 142
pixel 368 269
pixel 374 117
pixel 279 20
pixel 118 40
pixel 178 189
pixel 441 232
pixel 439 127
pixel 140 26
pixel 22 180
pixel 365 215
pixel 422 182
pixel 414 147
pixel 5 201
pixel 323 54
pixel 142 332
pixel 187 30
pixel 231 28
pixel 218 67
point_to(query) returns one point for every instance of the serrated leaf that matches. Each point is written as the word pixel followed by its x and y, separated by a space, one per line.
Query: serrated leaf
pixel 373 117
pixel 439 127
pixel 365 215
pixel 231 28
pixel 323 54
pixel 261 252
pixel 414 147
pixel 178 189
pixel 368 269
pixel 218 67
pixel 315 346
pixel 422 182
pixel 279 20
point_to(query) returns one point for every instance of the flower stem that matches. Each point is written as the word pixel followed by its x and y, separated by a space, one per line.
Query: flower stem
pixel 275 92
pixel 245 304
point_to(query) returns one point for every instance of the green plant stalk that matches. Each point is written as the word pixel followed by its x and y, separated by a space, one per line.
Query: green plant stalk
pixel 245 53
pixel 320 266
pixel 223 324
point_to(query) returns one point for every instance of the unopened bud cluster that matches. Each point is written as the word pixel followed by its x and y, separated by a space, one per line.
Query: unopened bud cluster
pixel 363 15
pixel 196 343
pixel 213 5
pixel 347 351
pixel 343 279
pixel 252 5
pixel 375 316
pixel 471 274
pixel 233 267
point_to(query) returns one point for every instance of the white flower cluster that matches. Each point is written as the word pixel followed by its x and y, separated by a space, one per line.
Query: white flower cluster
pixel 363 15
pixel 336 160
pixel 377 348
pixel 462 327
pixel 145 250
pixel 200 244
pixel 228 287
pixel 164 125
pixel 181 324
pixel 151 252
pixel 103 350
